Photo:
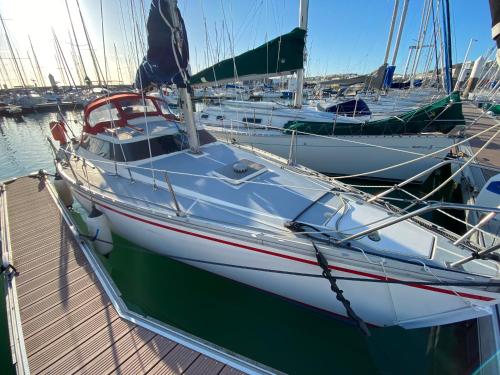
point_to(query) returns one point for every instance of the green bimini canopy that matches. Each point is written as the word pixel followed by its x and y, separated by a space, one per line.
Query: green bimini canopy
pixel 282 55
pixel 441 116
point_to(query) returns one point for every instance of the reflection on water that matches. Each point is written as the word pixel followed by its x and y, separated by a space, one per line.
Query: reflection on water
pixel 268 329
pixel 23 145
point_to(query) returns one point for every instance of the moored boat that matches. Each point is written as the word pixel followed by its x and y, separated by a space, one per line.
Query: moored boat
pixel 249 216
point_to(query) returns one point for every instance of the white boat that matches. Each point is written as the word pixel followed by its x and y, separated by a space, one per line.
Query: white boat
pixel 248 216
pixel 319 141
pixel 265 125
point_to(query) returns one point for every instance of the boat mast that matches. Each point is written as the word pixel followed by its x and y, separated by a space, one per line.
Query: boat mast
pixel 447 46
pixel 303 15
pixel 118 68
pixel 187 105
pixel 42 80
pixel 391 31
pixel 400 31
pixel 86 77
pixel 63 60
pixel 91 48
pixel 23 72
pixel 18 70
pixel 35 79
pixel 5 72
pixel 76 62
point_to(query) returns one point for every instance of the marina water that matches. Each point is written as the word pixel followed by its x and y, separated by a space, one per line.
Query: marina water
pixel 265 328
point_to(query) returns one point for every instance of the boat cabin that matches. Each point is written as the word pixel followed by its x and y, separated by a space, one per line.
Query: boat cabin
pixel 127 127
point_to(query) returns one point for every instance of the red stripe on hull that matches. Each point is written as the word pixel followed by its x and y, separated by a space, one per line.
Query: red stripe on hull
pixel 297 259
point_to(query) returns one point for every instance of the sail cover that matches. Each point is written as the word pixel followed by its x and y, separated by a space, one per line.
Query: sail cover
pixel 495 25
pixel 441 116
pixel 282 55
pixel 159 66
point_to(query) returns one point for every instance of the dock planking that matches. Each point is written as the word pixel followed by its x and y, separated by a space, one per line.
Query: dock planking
pixel 69 324
pixel 490 156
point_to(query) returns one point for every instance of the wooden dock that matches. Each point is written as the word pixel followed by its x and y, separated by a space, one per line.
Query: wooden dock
pixel 61 316
pixel 489 158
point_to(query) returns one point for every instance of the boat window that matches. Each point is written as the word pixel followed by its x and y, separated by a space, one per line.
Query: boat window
pixel 105 113
pixel 220 117
pixel 159 146
pixel 252 120
pixel 137 105
pixel 204 115
pixel 99 147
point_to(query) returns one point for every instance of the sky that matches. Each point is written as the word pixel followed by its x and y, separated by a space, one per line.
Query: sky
pixel 343 36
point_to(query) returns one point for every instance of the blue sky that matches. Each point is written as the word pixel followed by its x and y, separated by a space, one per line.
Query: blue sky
pixel 344 35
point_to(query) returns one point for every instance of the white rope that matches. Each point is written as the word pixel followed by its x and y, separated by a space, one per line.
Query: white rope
pixel 421 157
pixel 471 159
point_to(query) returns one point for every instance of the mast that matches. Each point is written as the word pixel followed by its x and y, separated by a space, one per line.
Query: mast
pixel 118 68
pixel 63 60
pixel 23 73
pixel 61 71
pixel 36 80
pixel 303 16
pixel 187 105
pixel 76 63
pixel 5 72
pixel 91 48
pixel 400 31
pixel 460 78
pixel 40 75
pixel 86 77
pixel 12 53
pixel 391 31
pixel 421 40
pixel 447 46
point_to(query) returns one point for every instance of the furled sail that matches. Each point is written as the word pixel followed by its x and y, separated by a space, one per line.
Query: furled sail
pixel 495 25
pixel 280 56
pixel 163 63
pixel 373 80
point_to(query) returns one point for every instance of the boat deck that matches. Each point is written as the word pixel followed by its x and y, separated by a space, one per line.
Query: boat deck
pixel 489 158
pixel 67 322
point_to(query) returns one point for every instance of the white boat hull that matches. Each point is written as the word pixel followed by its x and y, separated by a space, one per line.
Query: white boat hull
pixel 349 155
pixel 379 304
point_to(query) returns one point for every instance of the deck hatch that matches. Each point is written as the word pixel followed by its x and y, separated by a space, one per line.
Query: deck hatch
pixel 240 171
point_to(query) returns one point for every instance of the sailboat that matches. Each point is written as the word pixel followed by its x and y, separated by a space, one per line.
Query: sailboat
pixel 249 216
pixel 328 142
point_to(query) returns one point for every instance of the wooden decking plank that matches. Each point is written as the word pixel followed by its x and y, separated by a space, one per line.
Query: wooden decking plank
pixel 46 252
pixel 490 156
pixel 111 358
pixel 56 329
pixel 62 346
pixel 85 353
pixel 59 311
pixel 175 362
pixel 33 295
pixel 204 366
pixel 227 370
pixel 147 357
pixel 48 277
pixel 48 302
pixel 42 267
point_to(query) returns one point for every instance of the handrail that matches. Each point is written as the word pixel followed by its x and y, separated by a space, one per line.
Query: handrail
pixel 482 222
pixel 411 179
pixel 477 255
pixel 430 207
